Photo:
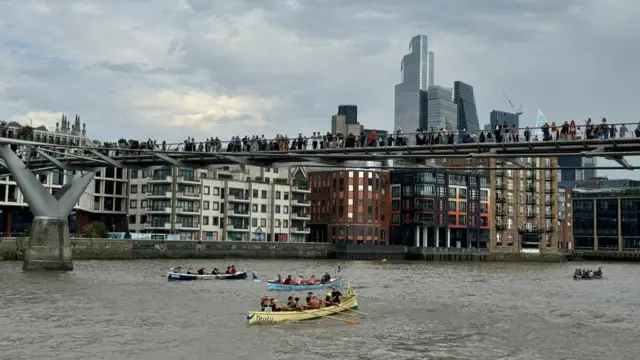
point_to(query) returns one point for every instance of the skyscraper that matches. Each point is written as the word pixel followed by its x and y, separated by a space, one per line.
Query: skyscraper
pixel 467 113
pixel 500 117
pixel 417 72
pixel 442 111
pixel 350 112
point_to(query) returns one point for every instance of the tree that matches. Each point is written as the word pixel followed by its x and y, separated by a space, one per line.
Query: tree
pixel 95 230
pixel 26 132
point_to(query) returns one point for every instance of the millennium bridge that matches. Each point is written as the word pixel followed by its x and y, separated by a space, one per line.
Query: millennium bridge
pixel 49 245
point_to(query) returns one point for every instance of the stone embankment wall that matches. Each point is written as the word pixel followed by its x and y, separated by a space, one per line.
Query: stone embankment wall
pixel 106 249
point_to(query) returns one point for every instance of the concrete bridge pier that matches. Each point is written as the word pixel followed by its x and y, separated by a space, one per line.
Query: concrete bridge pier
pixel 49 245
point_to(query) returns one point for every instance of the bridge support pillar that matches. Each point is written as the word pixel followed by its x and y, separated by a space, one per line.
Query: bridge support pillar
pixel 49 245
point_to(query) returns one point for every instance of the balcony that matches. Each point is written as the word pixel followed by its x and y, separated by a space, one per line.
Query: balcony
pixel 548 190
pixel 548 203
pixel 300 202
pixel 501 200
pixel 548 228
pixel 238 198
pixel 157 225
pixel 231 227
pixel 499 212
pixel 530 189
pixel 300 216
pixel 500 186
pixel 160 180
pixel 187 210
pixel 181 179
pixel 499 173
pixel 531 214
pixel 238 213
pixel 160 195
pixel 195 225
pixel 301 189
pixel 158 210
pixel 500 227
pixel 530 176
pixel 548 215
pixel 301 230
pixel 187 195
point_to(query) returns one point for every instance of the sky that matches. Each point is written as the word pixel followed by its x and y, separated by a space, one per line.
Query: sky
pixel 169 69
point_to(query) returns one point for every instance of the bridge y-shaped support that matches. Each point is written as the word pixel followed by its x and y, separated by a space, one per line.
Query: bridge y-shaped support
pixel 49 245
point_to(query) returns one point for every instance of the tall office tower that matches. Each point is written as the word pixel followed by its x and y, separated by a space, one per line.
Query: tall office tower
pixel 417 73
pixel 442 111
pixel 500 117
pixel 467 112
pixel 350 113
pixel 568 163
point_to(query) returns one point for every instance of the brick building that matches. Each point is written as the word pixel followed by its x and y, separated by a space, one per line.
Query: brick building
pixel 350 206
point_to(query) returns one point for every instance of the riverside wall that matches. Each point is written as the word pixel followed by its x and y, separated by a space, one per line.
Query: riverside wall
pixel 117 249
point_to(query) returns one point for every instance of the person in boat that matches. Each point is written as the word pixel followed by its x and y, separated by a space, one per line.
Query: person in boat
pixel 275 306
pixel 297 305
pixel 326 278
pixel 215 271
pixel 291 304
pixel 177 270
pixel 336 296
pixel 288 280
pixel 233 270
pixel 201 271
pixel 309 296
pixel 328 299
pixel 278 279
pixel 228 270
pixel 314 302
pixel 265 302
pixel 312 280
pixel 189 272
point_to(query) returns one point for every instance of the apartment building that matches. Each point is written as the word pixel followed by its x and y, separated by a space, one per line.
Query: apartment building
pixel 350 206
pixel 525 218
pixel 440 209
pixel 105 199
pixel 234 203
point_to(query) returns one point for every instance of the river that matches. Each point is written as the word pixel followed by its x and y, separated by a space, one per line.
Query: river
pixel 125 310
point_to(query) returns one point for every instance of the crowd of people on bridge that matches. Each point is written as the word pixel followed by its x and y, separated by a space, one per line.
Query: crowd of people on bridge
pixel 502 133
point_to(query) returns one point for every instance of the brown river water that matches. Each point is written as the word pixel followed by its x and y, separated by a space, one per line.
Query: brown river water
pixel 126 310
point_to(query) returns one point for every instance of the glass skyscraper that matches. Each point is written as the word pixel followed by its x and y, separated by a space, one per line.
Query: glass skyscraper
pixel 417 70
pixel 467 112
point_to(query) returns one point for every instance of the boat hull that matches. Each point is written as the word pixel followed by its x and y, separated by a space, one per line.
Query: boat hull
pixel 192 277
pixel 266 318
pixel 271 286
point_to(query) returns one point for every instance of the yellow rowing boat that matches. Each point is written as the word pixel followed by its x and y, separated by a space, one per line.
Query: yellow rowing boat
pixel 349 301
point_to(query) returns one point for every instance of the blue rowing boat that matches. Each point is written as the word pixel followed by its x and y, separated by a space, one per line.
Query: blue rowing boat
pixel 173 276
pixel 273 286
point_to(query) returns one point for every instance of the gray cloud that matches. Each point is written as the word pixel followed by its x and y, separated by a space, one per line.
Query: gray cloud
pixel 177 68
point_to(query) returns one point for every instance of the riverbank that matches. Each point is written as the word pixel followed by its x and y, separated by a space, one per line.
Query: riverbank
pixel 115 249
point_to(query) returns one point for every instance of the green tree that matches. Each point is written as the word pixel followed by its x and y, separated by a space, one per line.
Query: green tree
pixel 95 230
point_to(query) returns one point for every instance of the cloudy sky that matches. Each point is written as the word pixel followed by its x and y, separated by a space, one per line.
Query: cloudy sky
pixel 169 69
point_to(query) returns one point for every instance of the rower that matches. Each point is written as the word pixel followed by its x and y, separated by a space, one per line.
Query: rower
pixel 326 278
pixel 314 303
pixel 309 296
pixel 297 305
pixel 312 279
pixel 264 302
pixel 215 271
pixel 274 305
pixel 201 271
pixel 328 299
pixel 288 280
pixel 233 270
pixel 189 272
pixel 228 270
pixel 278 279
pixel 291 304
pixel 336 296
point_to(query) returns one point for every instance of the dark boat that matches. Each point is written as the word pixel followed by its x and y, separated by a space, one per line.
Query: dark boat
pixel 587 274
pixel 173 276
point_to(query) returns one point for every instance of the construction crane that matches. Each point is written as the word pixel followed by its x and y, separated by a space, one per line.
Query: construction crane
pixel 517 111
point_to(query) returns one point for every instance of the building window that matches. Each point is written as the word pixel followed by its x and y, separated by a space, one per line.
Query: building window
pixel 285 209
pixel 452 206
pixel 205 220
pixel 277 209
pixel 264 194
pixel 134 189
pixel 278 195
pixel 395 218
pixel 285 224
pixel 254 222
pixel 216 191
pixel 462 206
pixel 453 192
pixel 462 220
pixel 255 193
pixel 207 190
pixel 216 206
pixel 205 205
pixel 133 204
pixel 254 208
pixel 395 191
pixel 395 204
pixel 263 208
pixel 263 222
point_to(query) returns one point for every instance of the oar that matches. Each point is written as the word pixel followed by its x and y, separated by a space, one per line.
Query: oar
pixel 348 321
pixel 355 311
